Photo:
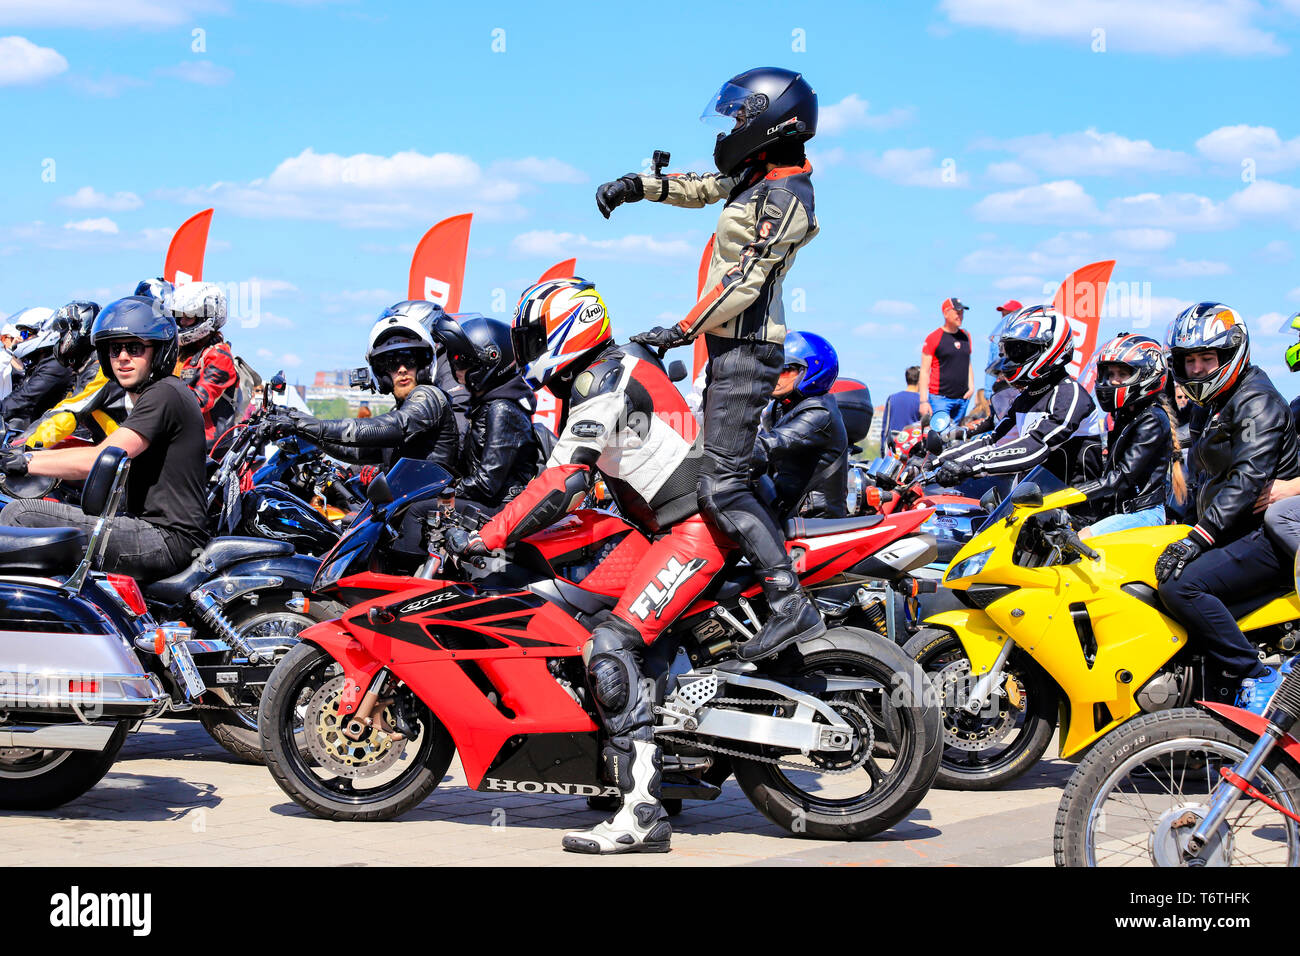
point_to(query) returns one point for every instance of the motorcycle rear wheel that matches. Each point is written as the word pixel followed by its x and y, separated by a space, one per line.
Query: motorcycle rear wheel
pixel 236 728
pixel 46 779
pixel 1134 798
pixel 891 780
pixel 286 720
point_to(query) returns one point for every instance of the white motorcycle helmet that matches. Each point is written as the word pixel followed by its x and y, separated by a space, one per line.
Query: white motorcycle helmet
pixel 38 324
pixel 396 332
pixel 201 301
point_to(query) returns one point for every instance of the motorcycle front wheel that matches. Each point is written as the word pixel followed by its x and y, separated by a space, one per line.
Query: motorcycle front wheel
pixel 1145 786
pixel 851 796
pixel 32 779
pixel 335 777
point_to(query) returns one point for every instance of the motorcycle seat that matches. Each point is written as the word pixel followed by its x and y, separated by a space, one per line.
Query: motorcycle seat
pixel 812 527
pixel 220 553
pixel 40 551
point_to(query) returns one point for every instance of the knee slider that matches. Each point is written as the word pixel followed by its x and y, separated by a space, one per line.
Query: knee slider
pixel 610 681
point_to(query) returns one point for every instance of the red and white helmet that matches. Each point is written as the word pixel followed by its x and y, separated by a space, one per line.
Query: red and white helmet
pixel 201 301
pixel 1209 326
pixel 556 323
pixel 1140 365
pixel 1036 342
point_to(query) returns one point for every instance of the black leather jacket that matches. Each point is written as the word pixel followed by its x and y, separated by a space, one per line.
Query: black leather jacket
pixel 1240 444
pixel 1137 467
pixel 499 456
pixel 421 427
pixel 803 443
pixel 43 386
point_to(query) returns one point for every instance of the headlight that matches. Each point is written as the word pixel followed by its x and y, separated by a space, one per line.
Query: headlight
pixel 968 567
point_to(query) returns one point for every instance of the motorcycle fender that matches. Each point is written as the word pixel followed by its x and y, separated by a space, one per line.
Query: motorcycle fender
pixel 297 572
pixel 359 665
pixel 980 637
pixel 1253 724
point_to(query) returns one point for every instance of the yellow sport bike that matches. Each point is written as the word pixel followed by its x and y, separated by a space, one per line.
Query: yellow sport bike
pixel 1056 629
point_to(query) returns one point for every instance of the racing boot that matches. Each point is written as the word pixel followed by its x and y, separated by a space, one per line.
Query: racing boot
pixel 791 616
pixel 641 824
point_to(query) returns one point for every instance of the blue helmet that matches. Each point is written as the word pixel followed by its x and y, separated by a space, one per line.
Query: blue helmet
pixel 817 358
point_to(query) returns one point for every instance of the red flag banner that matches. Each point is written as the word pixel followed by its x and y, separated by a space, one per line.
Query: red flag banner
pixel 184 262
pixel 438 266
pixel 561 270
pixel 1080 300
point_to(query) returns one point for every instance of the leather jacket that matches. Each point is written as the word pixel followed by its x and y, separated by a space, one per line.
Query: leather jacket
pixel 499 456
pixel 803 443
pixel 1241 442
pixel 1137 467
pixel 421 427
pixel 43 386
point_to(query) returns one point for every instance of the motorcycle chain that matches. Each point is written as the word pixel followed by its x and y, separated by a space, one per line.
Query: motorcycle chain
pixel 727 751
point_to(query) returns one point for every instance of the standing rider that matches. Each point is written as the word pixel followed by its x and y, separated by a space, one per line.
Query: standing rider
pixel 625 421
pixel 768 215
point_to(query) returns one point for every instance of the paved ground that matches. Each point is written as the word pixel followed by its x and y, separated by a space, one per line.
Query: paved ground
pixel 175 797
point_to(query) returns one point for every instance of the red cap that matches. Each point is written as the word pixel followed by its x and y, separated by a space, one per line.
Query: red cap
pixel 954 303
pixel 1011 305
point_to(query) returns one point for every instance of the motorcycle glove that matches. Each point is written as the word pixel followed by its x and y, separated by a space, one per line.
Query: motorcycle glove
pixel 463 544
pixel 661 338
pixel 954 472
pixel 13 461
pixel 1176 556
pixel 609 196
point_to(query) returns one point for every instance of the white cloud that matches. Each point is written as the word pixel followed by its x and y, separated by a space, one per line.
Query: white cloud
pixel 1011 173
pixel 23 62
pixel 914 167
pixel 1272 323
pixel 853 112
pixel 201 72
pixel 1187 269
pixel 89 14
pixel 1168 210
pixel 290 360
pixel 1056 257
pixel 1265 199
pixel 1091 153
pixel 1231 145
pixel 87 198
pixel 268 288
pixel 1143 240
pixel 546 242
pixel 892 307
pixel 366 190
pixel 1294 294
pixel 105 85
pixel 367 295
pixel 1279 250
pixel 1019 282
pixel 1058 202
pixel 265 353
pixel 1142 26
pixel 102 224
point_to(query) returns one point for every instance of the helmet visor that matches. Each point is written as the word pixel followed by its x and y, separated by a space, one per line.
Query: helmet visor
pixel 529 342
pixel 1117 373
pixel 1019 351
pixel 733 107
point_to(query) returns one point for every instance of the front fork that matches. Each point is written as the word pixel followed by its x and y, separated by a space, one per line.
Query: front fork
pixel 985 686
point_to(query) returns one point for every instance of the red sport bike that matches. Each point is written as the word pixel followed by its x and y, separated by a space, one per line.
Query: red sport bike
pixel 834 738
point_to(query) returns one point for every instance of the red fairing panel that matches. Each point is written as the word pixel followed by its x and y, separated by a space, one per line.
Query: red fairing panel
pixel 830 554
pixel 1253 723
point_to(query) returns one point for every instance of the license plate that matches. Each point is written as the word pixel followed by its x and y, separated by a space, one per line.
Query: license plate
pixel 184 669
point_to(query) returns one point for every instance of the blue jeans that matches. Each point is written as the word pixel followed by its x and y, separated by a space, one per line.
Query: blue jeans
pixel 955 407
pixel 1146 518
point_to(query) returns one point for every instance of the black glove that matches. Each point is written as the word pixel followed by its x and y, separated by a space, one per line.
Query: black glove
pixel 661 338
pixel 463 544
pixel 953 472
pixel 13 460
pixel 290 421
pixel 1175 557
pixel 624 189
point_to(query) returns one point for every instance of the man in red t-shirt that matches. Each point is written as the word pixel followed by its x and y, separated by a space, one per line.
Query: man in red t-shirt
pixel 947 376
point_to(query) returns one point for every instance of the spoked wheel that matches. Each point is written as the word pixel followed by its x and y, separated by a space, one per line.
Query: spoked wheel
pixel 268 622
pixel 853 792
pixel 35 779
pixel 986 750
pixel 1146 786
pixel 379 776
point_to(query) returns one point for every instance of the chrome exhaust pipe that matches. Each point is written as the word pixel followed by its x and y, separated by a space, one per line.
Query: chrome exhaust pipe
pixel 57 736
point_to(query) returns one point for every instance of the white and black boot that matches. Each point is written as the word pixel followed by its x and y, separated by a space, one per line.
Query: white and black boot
pixel 791 616
pixel 641 824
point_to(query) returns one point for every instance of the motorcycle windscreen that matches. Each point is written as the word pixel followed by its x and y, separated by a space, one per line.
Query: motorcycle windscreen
pixel 1047 483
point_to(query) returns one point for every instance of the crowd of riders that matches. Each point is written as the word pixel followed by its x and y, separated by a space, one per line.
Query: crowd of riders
pixel 151 373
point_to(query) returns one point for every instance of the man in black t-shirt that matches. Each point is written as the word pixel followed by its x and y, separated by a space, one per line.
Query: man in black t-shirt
pixel 164 519
pixel 947 377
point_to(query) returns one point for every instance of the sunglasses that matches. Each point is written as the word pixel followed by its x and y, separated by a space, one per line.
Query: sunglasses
pixel 133 349
pixel 395 360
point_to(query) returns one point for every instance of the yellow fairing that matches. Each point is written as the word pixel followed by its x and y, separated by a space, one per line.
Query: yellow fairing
pixel 979 636
pixel 1274 612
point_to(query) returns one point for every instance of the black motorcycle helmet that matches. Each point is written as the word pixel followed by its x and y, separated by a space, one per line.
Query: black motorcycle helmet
pixel 479 345
pixel 769 108
pixel 73 322
pixel 137 317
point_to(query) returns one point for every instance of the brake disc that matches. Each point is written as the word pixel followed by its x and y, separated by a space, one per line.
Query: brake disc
pixel 964 731
pixel 373 753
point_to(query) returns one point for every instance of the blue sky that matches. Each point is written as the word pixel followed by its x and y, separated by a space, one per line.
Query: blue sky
pixel 978 148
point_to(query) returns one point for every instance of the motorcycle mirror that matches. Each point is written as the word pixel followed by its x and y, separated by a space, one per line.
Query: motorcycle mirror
pixel 278 383
pixel 1027 494
pixel 991 499
pixel 933 442
pixel 676 371
pixel 377 492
